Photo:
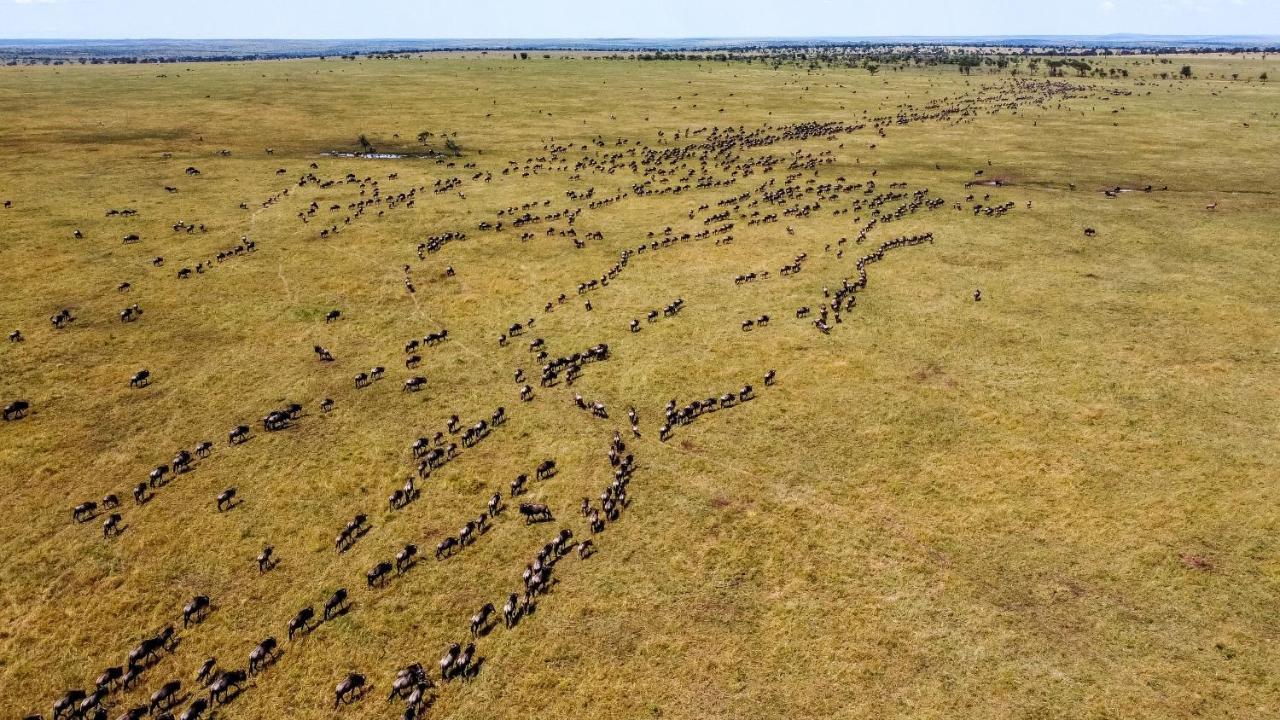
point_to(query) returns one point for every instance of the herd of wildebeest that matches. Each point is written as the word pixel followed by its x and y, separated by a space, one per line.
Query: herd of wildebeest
pixel 767 188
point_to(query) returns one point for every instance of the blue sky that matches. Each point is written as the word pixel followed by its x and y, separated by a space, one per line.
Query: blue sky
pixel 633 18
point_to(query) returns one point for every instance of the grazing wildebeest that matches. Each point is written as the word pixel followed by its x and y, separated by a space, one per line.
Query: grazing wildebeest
pixel 238 435
pixel 226 499
pixel 142 378
pixel 546 469
pixel 481 619
pixel 262 655
pixel 332 315
pixel 16 409
pixel 535 513
pixel 220 688
pixel 195 610
pixel 165 696
pixel 377 575
pixel 348 690
pixel 336 603
pixel 406 558
pixel 302 621
pixel 85 511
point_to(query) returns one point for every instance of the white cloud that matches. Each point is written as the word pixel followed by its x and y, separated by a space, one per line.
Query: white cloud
pixel 1108 6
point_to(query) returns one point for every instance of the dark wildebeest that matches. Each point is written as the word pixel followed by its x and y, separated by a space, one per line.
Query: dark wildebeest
pixel 16 409
pixel 348 690
pixel 165 696
pixel 535 513
pixel 195 710
pixel 205 673
pixel 220 688
pixel 142 378
pixel 481 619
pixel 335 604
pixel 266 559
pixel 226 499
pixel 195 610
pixel 332 315
pixel 262 655
pixel 546 469
pixel 84 512
pixel 378 574
pixel 446 547
pixel 406 557
pixel 238 435
pixel 302 621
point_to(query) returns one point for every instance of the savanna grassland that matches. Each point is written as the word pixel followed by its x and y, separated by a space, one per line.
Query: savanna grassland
pixel 1059 501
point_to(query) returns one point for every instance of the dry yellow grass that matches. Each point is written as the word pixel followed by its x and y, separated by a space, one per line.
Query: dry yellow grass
pixel 1057 502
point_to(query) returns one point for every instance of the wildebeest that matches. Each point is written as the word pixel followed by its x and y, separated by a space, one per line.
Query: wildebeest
pixel 481 619
pixel 150 648
pixel 517 485
pixel 495 504
pixel 406 557
pixel 511 610
pixel 326 405
pixel 166 695
pixel 238 435
pixel 446 547
pixel 351 532
pixel 266 559
pixel 535 513
pixel 142 378
pixel 204 448
pixel 332 315
pixel 220 688
pixel 195 710
pixel 585 549
pixel 377 575
pixel 16 409
pixel 67 703
pixel 226 499
pixel 414 384
pixel 301 621
pixel 262 655
pixel 336 604
pixel 769 377
pixel 195 610
pixel 362 379
pixel 348 691
pixel 546 469
pixel 205 672
pixel 85 511
pixel 109 677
